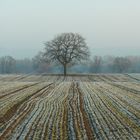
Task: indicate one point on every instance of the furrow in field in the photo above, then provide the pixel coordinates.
(126, 88)
(88, 133)
(11, 110)
(75, 115)
(17, 90)
(95, 117)
(130, 101)
(47, 128)
(14, 100)
(103, 111)
(120, 110)
(128, 96)
(45, 107)
(21, 112)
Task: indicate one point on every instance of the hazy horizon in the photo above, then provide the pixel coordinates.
(110, 27)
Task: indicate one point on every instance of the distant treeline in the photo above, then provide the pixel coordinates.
(97, 64)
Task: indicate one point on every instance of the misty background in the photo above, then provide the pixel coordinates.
(111, 29)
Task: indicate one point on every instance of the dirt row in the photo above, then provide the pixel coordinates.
(75, 109)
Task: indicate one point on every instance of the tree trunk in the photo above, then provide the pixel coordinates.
(65, 70)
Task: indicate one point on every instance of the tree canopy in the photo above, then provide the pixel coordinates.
(66, 48)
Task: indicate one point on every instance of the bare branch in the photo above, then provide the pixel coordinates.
(66, 48)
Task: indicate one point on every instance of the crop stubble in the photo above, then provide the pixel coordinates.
(94, 107)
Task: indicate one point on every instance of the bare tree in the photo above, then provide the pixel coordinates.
(96, 64)
(24, 65)
(7, 64)
(66, 49)
(121, 64)
(39, 64)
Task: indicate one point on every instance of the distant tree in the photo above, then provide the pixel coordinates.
(66, 49)
(39, 64)
(121, 64)
(37, 60)
(7, 64)
(24, 65)
(96, 64)
(135, 64)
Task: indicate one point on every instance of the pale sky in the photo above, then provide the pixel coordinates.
(111, 27)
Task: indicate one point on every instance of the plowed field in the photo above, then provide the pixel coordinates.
(86, 107)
